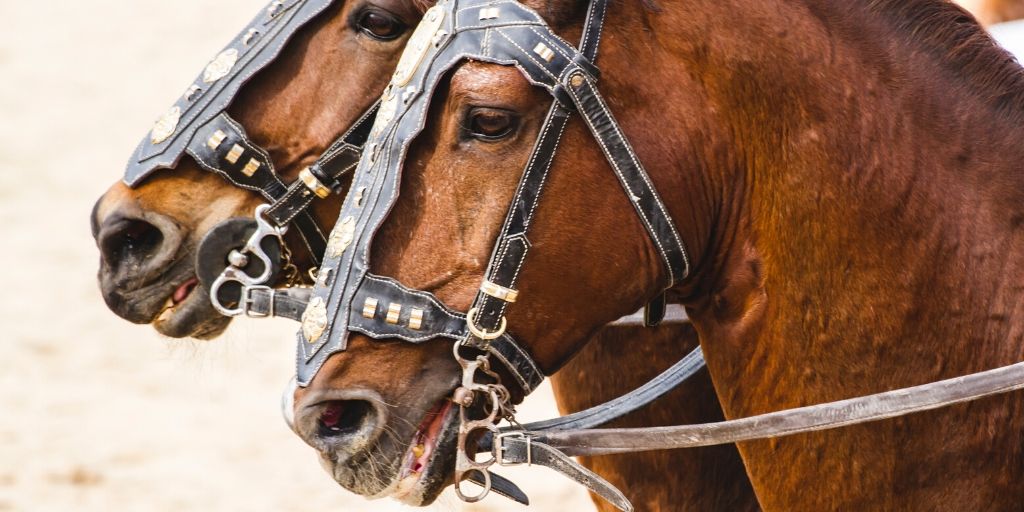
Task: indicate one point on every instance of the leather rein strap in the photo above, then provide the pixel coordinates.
(854, 411)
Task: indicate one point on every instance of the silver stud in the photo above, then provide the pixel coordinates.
(192, 92)
(249, 36)
(275, 8)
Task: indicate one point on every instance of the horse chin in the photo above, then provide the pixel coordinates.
(414, 480)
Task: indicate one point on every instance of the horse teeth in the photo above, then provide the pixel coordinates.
(164, 315)
(418, 450)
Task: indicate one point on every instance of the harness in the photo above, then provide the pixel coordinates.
(348, 298)
(240, 258)
(198, 125)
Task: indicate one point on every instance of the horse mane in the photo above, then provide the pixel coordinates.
(956, 41)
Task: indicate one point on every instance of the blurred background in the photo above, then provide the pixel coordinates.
(95, 413)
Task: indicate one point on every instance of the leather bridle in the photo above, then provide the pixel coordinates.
(198, 125)
(347, 298)
(250, 253)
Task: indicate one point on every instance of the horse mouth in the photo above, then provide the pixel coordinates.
(188, 312)
(181, 293)
(430, 458)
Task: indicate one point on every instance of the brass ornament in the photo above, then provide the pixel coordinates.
(166, 125)
(421, 41)
(314, 319)
(416, 319)
(370, 307)
(394, 311)
(220, 66)
(341, 237)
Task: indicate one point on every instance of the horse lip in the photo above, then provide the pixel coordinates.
(429, 484)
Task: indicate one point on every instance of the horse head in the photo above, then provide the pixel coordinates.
(465, 129)
(326, 76)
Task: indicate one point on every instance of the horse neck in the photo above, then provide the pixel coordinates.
(866, 215)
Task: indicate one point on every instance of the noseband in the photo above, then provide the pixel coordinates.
(198, 125)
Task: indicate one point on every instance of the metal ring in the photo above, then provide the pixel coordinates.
(482, 333)
(461, 477)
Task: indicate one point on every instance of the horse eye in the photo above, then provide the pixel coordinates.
(490, 124)
(380, 26)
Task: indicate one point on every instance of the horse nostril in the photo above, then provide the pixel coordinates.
(340, 418)
(129, 238)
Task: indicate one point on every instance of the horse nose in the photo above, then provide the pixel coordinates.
(135, 245)
(346, 423)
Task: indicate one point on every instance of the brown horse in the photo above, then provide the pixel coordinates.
(326, 77)
(846, 178)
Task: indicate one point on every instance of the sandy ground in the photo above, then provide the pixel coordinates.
(95, 413)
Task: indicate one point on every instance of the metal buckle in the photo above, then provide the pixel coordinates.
(499, 447)
(248, 301)
(264, 229)
(483, 333)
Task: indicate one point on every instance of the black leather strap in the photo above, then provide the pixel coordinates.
(285, 303)
(631, 174)
(221, 146)
(210, 94)
(339, 159)
(518, 449)
(513, 245)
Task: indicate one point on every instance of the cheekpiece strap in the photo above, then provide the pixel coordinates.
(577, 82)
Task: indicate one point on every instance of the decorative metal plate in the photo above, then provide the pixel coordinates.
(388, 107)
(165, 126)
(418, 45)
(220, 66)
(341, 237)
(314, 319)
